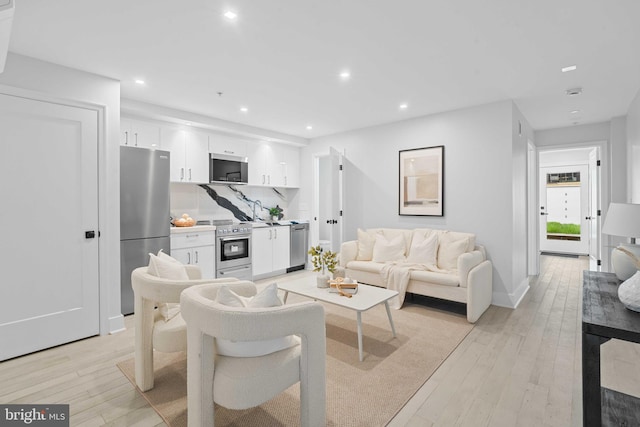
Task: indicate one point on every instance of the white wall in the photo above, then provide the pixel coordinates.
(573, 134)
(521, 133)
(478, 178)
(633, 153)
(63, 83)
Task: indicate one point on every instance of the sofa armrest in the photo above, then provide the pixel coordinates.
(466, 262)
(479, 290)
(348, 252)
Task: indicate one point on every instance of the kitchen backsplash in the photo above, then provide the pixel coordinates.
(226, 202)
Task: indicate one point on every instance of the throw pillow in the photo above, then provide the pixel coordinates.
(268, 297)
(423, 250)
(385, 250)
(449, 251)
(366, 241)
(163, 267)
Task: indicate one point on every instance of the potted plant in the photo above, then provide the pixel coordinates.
(323, 261)
(275, 213)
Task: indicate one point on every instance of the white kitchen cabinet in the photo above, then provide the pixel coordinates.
(225, 145)
(270, 250)
(137, 133)
(273, 165)
(189, 155)
(195, 248)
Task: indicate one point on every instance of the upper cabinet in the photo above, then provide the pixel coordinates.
(221, 144)
(273, 165)
(189, 155)
(138, 133)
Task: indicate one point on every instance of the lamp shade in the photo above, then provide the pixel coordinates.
(623, 219)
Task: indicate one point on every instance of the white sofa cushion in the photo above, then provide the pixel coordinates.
(268, 297)
(449, 249)
(366, 240)
(166, 267)
(370, 266)
(388, 250)
(435, 278)
(423, 250)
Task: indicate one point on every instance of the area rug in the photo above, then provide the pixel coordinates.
(367, 393)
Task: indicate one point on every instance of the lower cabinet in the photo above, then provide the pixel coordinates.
(196, 248)
(270, 248)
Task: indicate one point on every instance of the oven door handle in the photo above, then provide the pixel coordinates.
(225, 272)
(229, 239)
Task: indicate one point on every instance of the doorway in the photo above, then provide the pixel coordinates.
(51, 271)
(570, 195)
(328, 212)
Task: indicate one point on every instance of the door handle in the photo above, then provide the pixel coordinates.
(588, 217)
(91, 234)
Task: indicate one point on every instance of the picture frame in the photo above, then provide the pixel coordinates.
(421, 181)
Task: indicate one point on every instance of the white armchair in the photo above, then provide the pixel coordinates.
(245, 382)
(151, 329)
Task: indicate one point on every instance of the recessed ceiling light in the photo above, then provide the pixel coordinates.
(345, 75)
(230, 15)
(403, 106)
(569, 68)
(309, 127)
(244, 109)
(188, 123)
(575, 111)
(140, 82)
(574, 91)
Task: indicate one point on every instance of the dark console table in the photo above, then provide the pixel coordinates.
(604, 317)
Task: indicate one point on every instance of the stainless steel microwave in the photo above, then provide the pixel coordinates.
(228, 169)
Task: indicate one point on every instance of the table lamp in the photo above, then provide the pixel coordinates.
(623, 219)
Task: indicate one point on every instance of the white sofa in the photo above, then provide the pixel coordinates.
(461, 272)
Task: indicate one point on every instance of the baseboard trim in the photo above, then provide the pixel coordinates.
(512, 300)
(116, 324)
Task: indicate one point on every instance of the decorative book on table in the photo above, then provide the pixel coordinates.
(346, 287)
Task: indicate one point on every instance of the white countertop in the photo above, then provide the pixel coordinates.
(176, 230)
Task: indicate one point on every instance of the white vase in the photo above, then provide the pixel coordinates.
(322, 281)
(624, 265)
(629, 292)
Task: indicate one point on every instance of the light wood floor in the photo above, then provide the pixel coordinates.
(516, 367)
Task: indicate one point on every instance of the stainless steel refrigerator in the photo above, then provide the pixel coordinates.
(144, 212)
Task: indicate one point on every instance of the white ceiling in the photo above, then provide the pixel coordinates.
(281, 58)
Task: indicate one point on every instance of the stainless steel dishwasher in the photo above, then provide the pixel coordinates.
(299, 246)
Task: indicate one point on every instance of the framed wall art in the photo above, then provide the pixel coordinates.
(422, 181)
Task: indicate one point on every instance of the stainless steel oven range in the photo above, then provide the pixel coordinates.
(233, 251)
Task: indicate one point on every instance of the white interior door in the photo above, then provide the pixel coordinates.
(49, 292)
(593, 219)
(337, 191)
(564, 208)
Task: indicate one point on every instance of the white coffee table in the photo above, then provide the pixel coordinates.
(366, 298)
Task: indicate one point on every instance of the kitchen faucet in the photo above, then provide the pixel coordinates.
(256, 202)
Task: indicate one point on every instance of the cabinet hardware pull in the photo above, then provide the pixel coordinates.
(269, 179)
(181, 174)
(190, 174)
(188, 236)
(188, 257)
(126, 138)
(196, 257)
(269, 234)
(136, 134)
(263, 179)
(275, 233)
(229, 151)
